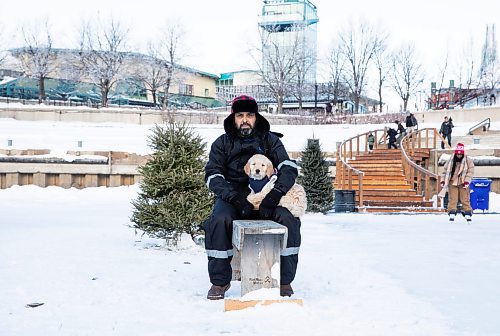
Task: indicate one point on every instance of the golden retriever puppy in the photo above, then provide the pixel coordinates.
(260, 170)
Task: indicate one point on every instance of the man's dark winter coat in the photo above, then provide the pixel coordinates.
(230, 153)
(446, 127)
(411, 120)
(391, 134)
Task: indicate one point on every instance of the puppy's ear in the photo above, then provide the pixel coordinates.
(247, 168)
(270, 169)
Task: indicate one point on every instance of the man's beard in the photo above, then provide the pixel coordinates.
(247, 131)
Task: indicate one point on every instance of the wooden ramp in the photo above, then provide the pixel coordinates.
(234, 304)
(385, 188)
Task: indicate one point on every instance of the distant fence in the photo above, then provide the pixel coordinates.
(73, 112)
(48, 102)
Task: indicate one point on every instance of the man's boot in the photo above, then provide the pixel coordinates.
(452, 215)
(217, 292)
(468, 215)
(286, 290)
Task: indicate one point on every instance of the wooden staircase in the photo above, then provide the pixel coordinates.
(385, 188)
(389, 180)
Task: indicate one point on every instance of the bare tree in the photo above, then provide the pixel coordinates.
(381, 63)
(467, 74)
(37, 56)
(358, 43)
(152, 74)
(278, 67)
(102, 52)
(302, 82)
(170, 52)
(407, 75)
(490, 80)
(336, 64)
(443, 68)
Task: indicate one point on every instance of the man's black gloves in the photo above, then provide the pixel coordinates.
(242, 205)
(269, 203)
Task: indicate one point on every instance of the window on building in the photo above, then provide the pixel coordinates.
(186, 89)
(206, 92)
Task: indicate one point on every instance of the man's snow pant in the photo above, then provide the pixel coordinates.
(218, 242)
(458, 193)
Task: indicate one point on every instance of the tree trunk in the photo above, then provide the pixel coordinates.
(300, 101)
(165, 96)
(380, 100)
(153, 92)
(279, 109)
(380, 96)
(405, 102)
(356, 104)
(104, 96)
(41, 89)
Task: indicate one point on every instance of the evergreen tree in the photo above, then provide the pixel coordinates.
(315, 178)
(173, 197)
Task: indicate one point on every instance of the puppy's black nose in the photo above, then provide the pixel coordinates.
(257, 171)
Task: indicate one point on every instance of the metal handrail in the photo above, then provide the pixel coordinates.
(486, 121)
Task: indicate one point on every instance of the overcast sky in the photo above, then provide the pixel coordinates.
(219, 33)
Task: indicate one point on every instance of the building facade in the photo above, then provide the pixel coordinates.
(291, 24)
(189, 87)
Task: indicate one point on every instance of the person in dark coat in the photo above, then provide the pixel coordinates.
(328, 108)
(411, 122)
(445, 130)
(246, 133)
(400, 131)
(391, 134)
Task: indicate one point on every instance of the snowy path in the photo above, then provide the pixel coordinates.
(358, 274)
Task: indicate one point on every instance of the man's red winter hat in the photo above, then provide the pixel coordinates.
(244, 103)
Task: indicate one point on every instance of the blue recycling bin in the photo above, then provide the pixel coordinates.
(480, 193)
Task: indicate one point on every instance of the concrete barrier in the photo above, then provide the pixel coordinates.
(130, 115)
(474, 115)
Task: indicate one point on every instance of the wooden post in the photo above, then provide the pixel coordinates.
(259, 243)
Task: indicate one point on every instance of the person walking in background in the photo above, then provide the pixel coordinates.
(445, 131)
(371, 141)
(411, 122)
(391, 134)
(400, 131)
(328, 108)
(457, 175)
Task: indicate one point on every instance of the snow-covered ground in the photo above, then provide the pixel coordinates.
(359, 274)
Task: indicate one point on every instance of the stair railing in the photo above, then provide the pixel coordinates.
(345, 172)
(426, 138)
(485, 124)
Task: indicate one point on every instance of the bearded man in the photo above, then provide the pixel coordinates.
(247, 133)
